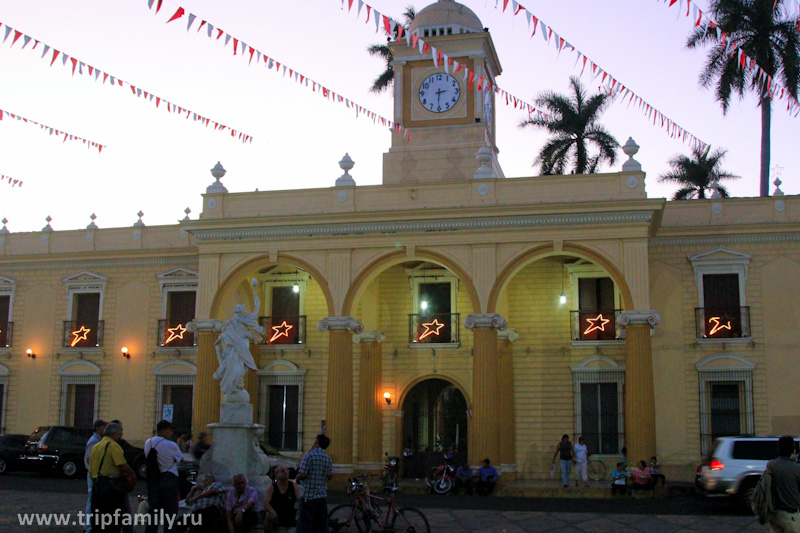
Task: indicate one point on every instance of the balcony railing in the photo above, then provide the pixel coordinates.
(722, 322)
(6, 332)
(433, 328)
(283, 329)
(86, 334)
(594, 324)
(174, 334)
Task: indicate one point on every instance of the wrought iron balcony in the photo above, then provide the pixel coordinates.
(283, 329)
(6, 332)
(594, 325)
(433, 328)
(722, 322)
(86, 334)
(174, 334)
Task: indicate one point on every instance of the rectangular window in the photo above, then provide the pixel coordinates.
(5, 310)
(283, 412)
(435, 312)
(85, 328)
(596, 314)
(726, 412)
(80, 405)
(722, 306)
(180, 397)
(600, 417)
(284, 325)
(180, 311)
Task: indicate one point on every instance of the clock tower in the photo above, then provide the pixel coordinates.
(448, 120)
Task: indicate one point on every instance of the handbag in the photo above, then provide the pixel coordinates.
(106, 485)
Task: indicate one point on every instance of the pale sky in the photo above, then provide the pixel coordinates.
(159, 162)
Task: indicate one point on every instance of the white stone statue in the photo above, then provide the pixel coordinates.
(233, 350)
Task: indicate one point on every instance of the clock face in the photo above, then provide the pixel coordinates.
(439, 92)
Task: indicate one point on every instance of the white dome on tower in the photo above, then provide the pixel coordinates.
(445, 17)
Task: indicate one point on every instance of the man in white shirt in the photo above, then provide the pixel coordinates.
(163, 494)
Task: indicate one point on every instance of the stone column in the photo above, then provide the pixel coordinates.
(206, 401)
(640, 412)
(505, 375)
(370, 401)
(339, 397)
(484, 429)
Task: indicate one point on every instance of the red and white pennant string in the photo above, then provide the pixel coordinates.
(699, 18)
(246, 51)
(53, 131)
(11, 181)
(83, 68)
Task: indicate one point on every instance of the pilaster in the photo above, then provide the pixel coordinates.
(505, 383)
(370, 400)
(206, 391)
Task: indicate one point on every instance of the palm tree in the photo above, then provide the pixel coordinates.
(759, 28)
(383, 81)
(573, 122)
(696, 174)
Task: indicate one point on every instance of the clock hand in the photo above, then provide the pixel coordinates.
(439, 94)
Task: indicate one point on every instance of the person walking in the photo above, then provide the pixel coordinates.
(97, 436)
(581, 453)
(279, 503)
(564, 452)
(162, 490)
(106, 463)
(785, 488)
(316, 469)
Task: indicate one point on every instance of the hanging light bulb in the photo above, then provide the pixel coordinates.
(296, 287)
(423, 305)
(563, 298)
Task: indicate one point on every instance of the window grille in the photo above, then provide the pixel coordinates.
(599, 409)
(726, 405)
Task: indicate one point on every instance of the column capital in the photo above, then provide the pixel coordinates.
(205, 324)
(631, 318)
(492, 320)
(340, 322)
(369, 336)
(508, 334)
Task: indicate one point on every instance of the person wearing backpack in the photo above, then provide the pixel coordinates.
(785, 488)
(162, 456)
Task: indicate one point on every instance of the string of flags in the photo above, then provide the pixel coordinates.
(53, 131)
(246, 51)
(11, 181)
(83, 68)
(772, 86)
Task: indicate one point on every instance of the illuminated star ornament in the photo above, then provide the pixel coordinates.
(80, 335)
(431, 328)
(717, 326)
(597, 324)
(175, 333)
(281, 331)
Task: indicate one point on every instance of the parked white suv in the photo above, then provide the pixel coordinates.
(736, 465)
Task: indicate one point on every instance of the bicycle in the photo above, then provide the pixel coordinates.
(596, 469)
(373, 514)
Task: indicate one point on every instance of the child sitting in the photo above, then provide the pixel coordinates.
(619, 480)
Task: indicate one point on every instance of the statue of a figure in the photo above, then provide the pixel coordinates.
(233, 350)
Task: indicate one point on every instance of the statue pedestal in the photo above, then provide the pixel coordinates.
(235, 449)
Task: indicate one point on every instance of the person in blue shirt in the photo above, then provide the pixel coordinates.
(464, 479)
(487, 479)
(619, 480)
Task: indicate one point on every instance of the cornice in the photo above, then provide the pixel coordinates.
(100, 263)
(400, 226)
(724, 239)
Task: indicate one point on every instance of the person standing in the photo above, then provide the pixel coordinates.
(487, 479)
(107, 460)
(162, 490)
(581, 453)
(316, 469)
(564, 452)
(279, 503)
(785, 488)
(97, 436)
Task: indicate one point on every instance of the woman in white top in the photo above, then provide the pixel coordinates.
(581, 460)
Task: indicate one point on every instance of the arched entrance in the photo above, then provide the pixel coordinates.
(435, 418)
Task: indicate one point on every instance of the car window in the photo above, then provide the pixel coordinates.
(760, 450)
(58, 436)
(39, 433)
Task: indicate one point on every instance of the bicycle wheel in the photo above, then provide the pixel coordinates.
(596, 470)
(410, 520)
(341, 519)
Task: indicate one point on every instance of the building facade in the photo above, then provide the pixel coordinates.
(449, 306)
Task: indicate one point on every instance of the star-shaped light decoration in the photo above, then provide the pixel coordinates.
(431, 328)
(281, 331)
(717, 325)
(597, 324)
(175, 333)
(80, 335)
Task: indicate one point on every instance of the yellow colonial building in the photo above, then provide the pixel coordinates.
(449, 306)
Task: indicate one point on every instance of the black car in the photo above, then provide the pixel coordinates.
(57, 449)
(11, 449)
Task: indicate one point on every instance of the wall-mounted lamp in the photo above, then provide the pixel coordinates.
(388, 398)
(125, 353)
(30, 353)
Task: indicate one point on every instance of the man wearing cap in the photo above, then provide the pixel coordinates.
(164, 494)
(97, 436)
